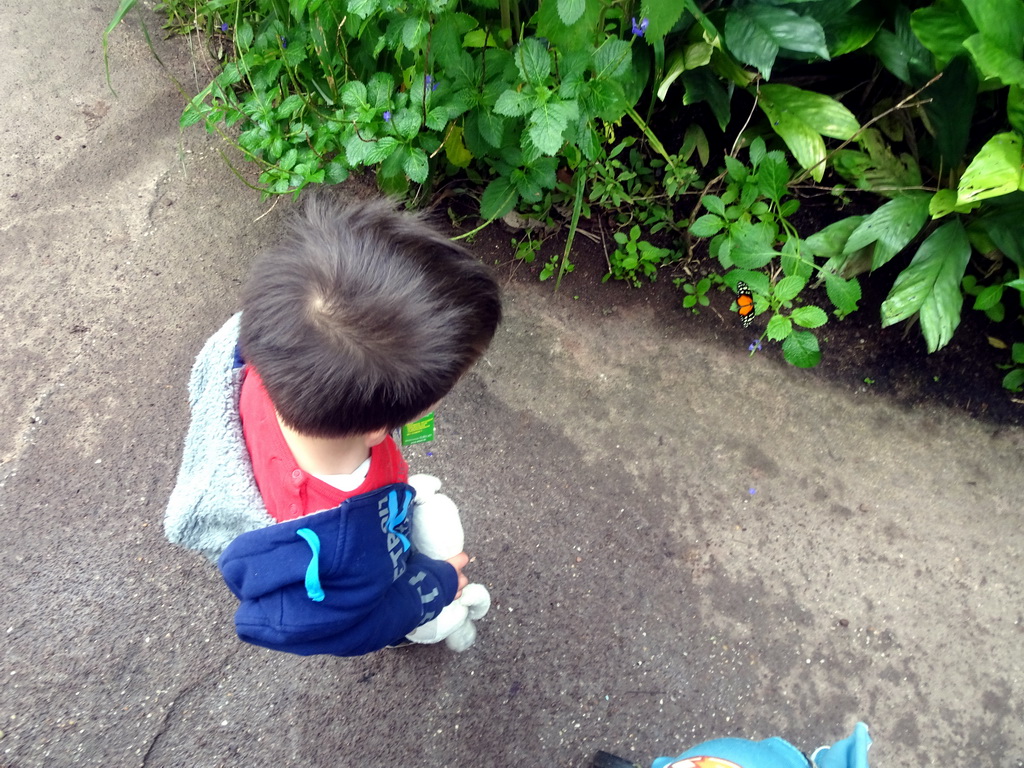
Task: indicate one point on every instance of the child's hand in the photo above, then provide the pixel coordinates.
(459, 562)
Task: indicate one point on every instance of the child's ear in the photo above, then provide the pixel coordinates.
(376, 437)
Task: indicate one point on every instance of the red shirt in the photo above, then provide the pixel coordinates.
(289, 491)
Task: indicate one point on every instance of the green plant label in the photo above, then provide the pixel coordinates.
(419, 431)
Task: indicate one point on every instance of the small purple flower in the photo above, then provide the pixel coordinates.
(753, 491)
(284, 41)
(431, 83)
(387, 115)
(755, 346)
(224, 27)
(641, 28)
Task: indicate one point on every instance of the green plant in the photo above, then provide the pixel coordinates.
(634, 257)
(1014, 380)
(750, 229)
(696, 294)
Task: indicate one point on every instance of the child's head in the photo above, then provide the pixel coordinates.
(364, 317)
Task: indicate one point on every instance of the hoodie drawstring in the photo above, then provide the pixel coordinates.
(313, 588)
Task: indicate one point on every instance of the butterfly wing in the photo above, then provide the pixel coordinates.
(744, 303)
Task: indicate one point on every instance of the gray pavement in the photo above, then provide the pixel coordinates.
(683, 542)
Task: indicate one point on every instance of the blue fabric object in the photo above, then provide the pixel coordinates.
(851, 752)
(375, 589)
(314, 590)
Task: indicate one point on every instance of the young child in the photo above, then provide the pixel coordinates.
(358, 323)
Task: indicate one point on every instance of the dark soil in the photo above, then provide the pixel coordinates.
(857, 353)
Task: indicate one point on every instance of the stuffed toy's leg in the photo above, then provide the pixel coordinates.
(437, 533)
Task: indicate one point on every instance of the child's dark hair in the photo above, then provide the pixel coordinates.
(364, 317)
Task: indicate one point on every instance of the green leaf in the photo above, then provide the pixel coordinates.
(661, 16)
(801, 349)
(995, 171)
(379, 90)
(533, 61)
(492, 128)
(844, 294)
(417, 166)
(380, 150)
(513, 103)
(414, 31)
(809, 317)
(831, 241)
(498, 198)
(571, 10)
(407, 122)
(755, 33)
(801, 118)
(548, 123)
(707, 225)
(752, 245)
(353, 94)
(702, 85)
(612, 59)
(1014, 380)
(455, 149)
(779, 328)
(1015, 108)
(363, 8)
(788, 288)
(942, 29)
(572, 37)
(891, 227)
(930, 285)
(714, 204)
(772, 178)
(995, 62)
(989, 297)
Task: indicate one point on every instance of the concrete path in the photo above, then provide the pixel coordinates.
(684, 542)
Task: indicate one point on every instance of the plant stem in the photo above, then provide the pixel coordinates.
(655, 144)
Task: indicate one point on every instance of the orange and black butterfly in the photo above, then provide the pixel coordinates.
(744, 303)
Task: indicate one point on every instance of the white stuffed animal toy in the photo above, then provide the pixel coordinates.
(437, 533)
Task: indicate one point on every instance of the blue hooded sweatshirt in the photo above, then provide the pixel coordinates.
(342, 581)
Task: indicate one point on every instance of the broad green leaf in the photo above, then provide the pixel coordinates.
(570, 11)
(533, 60)
(942, 28)
(353, 94)
(755, 33)
(844, 294)
(548, 123)
(1014, 380)
(994, 61)
(1015, 108)
(788, 288)
(989, 297)
(1002, 21)
(498, 199)
(707, 225)
(661, 16)
(572, 37)
(702, 85)
(605, 99)
(380, 149)
(995, 171)
(779, 328)
(407, 122)
(930, 286)
(417, 166)
(612, 59)
(492, 128)
(801, 118)
(513, 103)
(794, 262)
(1002, 220)
(949, 105)
(831, 241)
(891, 227)
(772, 178)
(809, 317)
(801, 349)
(714, 204)
(943, 203)
(752, 245)
(363, 8)
(379, 90)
